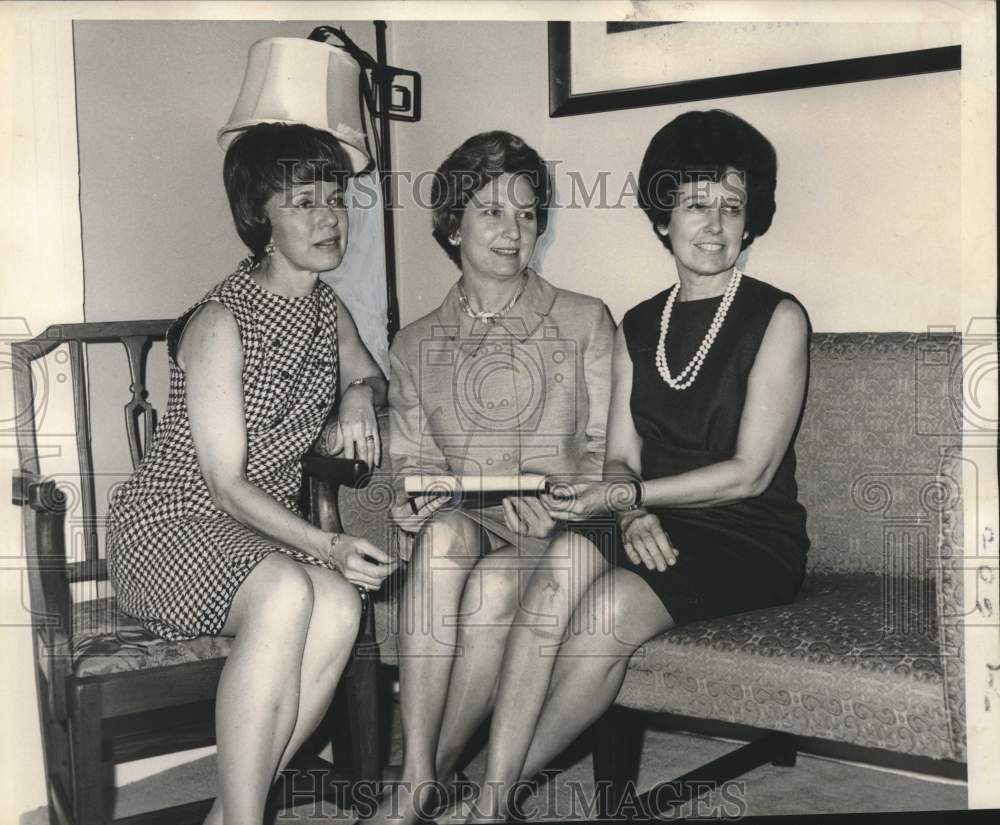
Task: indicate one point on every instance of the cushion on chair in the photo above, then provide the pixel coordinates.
(105, 641)
(822, 667)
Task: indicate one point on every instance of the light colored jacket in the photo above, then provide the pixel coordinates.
(526, 394)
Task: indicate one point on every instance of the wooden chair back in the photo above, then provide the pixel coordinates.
(51, 572)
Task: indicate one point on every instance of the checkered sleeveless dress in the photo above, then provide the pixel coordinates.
(175, 559)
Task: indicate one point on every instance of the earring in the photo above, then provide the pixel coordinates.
(454, 240)
(270, 248)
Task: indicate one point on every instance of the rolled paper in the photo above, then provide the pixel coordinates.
(523, 484)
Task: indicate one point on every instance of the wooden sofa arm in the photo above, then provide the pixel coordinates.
(949, 580)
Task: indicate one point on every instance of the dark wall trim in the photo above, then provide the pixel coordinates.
(562, 103)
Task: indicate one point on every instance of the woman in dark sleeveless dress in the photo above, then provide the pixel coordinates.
(205, 538)
(697, 516)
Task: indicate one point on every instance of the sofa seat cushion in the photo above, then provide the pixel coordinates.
(820, 667)
(106, 641)
(835, 664)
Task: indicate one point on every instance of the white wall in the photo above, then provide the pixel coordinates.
(867, 232)
(41, 283)
(151, 96)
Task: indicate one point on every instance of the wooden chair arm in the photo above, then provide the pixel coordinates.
(336, 471)
(48, 577)
(27, 490)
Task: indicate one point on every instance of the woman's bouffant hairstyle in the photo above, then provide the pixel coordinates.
(700, 146)
(481, 159)
(269, 158)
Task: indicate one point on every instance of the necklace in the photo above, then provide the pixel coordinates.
(686, 377)
(489, 317)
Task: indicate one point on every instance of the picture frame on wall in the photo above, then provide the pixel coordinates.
(603, 67)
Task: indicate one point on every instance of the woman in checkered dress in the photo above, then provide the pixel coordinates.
(205, 538)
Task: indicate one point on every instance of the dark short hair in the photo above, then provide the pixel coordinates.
(481, 159)
(268, 158)
(700, 146)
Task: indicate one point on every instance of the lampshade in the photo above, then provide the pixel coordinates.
(294, 80)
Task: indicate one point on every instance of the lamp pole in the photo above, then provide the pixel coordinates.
(385, 179)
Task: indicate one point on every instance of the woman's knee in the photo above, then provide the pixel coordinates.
(451, 535)
(555, 571)
(492, 592)
(277, 592)
(624, 607)
(337, 603)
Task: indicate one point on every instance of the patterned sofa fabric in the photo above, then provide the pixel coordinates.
(832, 665)
(879, 414)
(863, 655)
(826, 666)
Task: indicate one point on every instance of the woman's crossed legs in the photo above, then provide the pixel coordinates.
(578, 623)
(294, 626)
(453, 626)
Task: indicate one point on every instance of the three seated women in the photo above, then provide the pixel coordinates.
(667, 447)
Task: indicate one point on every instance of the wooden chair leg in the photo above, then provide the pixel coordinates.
(617, 751)
(90, 796)
(362, 699)
(55, 752)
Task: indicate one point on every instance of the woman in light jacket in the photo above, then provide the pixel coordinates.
(510, 375)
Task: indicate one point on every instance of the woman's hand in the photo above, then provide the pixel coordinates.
(356, 431)
(574, 502)
(359, 561)
(410, 518)
(646, 542)
(527, 516)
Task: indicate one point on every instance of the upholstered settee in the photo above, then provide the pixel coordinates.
(870, 653)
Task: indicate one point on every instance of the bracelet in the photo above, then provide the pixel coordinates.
(636, 486)
(334, 539)
(357, 382)
(638, 494)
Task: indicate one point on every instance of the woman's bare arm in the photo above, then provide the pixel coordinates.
(356, 420)
(775, 392)
(211, 355)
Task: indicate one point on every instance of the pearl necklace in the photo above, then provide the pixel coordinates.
(489, 317)
(686, 377)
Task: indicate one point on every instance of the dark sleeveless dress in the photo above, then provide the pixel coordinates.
(742, 556)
